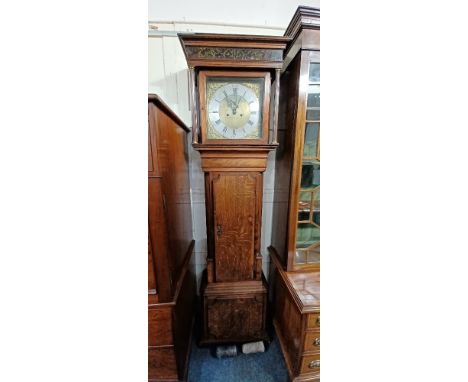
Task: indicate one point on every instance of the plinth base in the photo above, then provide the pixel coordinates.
(234, 311)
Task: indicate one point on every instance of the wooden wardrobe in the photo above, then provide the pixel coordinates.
(171, 277)
(295, 247)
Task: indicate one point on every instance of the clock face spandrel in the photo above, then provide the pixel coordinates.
(234, 107)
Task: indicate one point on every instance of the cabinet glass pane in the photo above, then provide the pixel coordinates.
(316, 206)
(307, 243)
(310, 175)
(313, 98)
(305, 202)
(311, 140)
(314, 72)
(308, 217)
(307, 234)
(309, 207)
(313, 115)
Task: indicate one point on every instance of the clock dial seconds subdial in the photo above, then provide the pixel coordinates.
(233, 112)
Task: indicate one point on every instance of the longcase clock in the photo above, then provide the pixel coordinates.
(234, 86)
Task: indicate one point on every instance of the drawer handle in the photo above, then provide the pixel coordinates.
(317, 341)
(314, 364)
(317, 322)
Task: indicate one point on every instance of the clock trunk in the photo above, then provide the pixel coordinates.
(235, 202)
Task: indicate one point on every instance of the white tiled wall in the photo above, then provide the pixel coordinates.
(168, 77)
(259, 12)
(197, 185)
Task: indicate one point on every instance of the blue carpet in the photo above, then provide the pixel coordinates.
(259, 367)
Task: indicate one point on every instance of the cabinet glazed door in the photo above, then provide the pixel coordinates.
(234, 199)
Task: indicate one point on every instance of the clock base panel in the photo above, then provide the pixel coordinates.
(234, 312)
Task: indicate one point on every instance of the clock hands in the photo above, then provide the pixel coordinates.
(233, 100)
(229, 102)
(235, 103)
(236, 99)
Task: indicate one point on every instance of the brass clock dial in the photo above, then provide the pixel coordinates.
(234, 108)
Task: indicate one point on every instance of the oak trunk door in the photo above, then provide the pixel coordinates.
(234, 198)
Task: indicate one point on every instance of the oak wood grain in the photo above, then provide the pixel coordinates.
(312, 340)
(234, 197)
(234, 311)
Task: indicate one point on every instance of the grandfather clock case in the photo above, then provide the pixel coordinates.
(234, 92)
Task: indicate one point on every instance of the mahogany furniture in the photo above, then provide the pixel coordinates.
(295, 247)
(171, 277)
(297, 319)
(234, 84)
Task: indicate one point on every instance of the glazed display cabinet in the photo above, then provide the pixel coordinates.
(295, 249)
(307, 199)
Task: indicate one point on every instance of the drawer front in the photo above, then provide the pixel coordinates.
(312, 340)
(310, 363)
(313, 320)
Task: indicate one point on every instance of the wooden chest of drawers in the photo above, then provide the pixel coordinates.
(296, 317)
